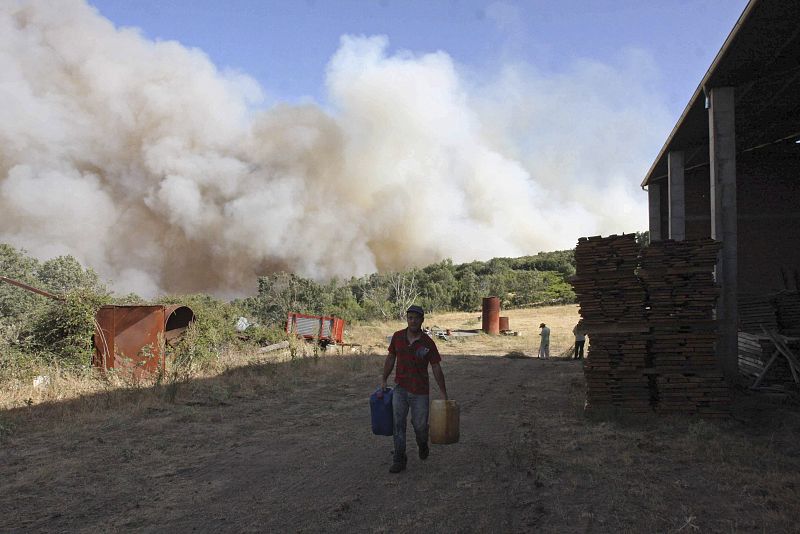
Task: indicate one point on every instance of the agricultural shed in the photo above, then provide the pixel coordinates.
(730, 168)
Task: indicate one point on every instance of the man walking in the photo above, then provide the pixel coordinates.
(413, 350)
(544, 345)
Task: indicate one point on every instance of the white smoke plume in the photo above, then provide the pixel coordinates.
(145, 161)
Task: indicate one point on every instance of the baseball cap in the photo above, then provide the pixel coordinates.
(541, 325)
(416, 309)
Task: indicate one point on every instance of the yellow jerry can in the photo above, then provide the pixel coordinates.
(444, 422)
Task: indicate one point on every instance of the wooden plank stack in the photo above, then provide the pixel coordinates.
(612, 304)
(689, 393)
(755, 311)
(681, 295)
(775, 312)
(751, 357)
(615, 372)
(610, 295)
(787, 307)
(650, 324)
(754, 353)
(679, 281)
(779, 372)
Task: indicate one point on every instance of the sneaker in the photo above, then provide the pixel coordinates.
(424, 451)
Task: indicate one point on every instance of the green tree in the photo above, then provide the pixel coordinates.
(214, 326)
(438, 286)
(281, 293)
(62, 330)
(64, 273)
(643, 238)
(374, 293)
(467, 296)
(17, 303)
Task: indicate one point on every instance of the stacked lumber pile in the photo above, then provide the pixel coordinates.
(678, 278)
(615, 371)
(787, 308)
(612, 304)
(650, 322)
(610, 294)
(755, 311)
(754, 353)
(775, 312)
(751, 354)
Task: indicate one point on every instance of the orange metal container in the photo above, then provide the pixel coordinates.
(504, 324)
(491, 315)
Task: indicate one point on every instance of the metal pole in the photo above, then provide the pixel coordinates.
(29, 288)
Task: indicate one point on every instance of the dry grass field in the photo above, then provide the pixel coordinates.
(370, 338)
(267, 443)
(560, 319)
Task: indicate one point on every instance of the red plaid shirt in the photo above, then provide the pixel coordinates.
(411, 371)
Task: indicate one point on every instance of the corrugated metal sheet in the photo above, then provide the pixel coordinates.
(326, 329)
(307, 326)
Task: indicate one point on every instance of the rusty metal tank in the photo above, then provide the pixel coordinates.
(491, 315)
(504, 324)
(133, 337)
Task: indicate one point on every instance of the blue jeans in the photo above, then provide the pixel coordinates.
(401, 402)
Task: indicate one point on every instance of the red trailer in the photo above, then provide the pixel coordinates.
(325, 329)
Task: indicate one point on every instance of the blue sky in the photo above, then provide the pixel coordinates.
(286, 45)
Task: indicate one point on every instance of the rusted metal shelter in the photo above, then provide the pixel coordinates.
(133, 337)
(730, 168)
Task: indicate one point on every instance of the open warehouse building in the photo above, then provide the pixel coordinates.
(730, 168)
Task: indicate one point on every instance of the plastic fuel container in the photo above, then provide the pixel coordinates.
(443, 422)
(380, 404)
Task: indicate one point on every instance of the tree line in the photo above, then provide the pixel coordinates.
(35, 328)
(443, 286)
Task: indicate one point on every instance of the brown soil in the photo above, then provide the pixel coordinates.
(285, 447)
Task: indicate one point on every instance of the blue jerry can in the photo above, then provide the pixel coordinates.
(380, 404)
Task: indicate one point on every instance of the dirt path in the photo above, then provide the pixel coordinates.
(293, 451)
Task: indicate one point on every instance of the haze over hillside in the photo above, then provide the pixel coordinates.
(164, 173)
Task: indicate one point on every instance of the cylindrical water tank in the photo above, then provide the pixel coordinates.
(491, 315)
(504, 324)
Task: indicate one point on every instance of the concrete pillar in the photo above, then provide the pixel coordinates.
(677, 203)
(654, 203)
(722, 153)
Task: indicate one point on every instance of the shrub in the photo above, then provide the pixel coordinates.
(63, 330)
(213, 329)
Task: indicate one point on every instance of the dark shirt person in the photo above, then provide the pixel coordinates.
(413, 350)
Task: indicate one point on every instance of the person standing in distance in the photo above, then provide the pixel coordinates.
(580, 340)
(544, 345)
(413, 350)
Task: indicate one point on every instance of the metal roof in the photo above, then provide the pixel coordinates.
(761, 59)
